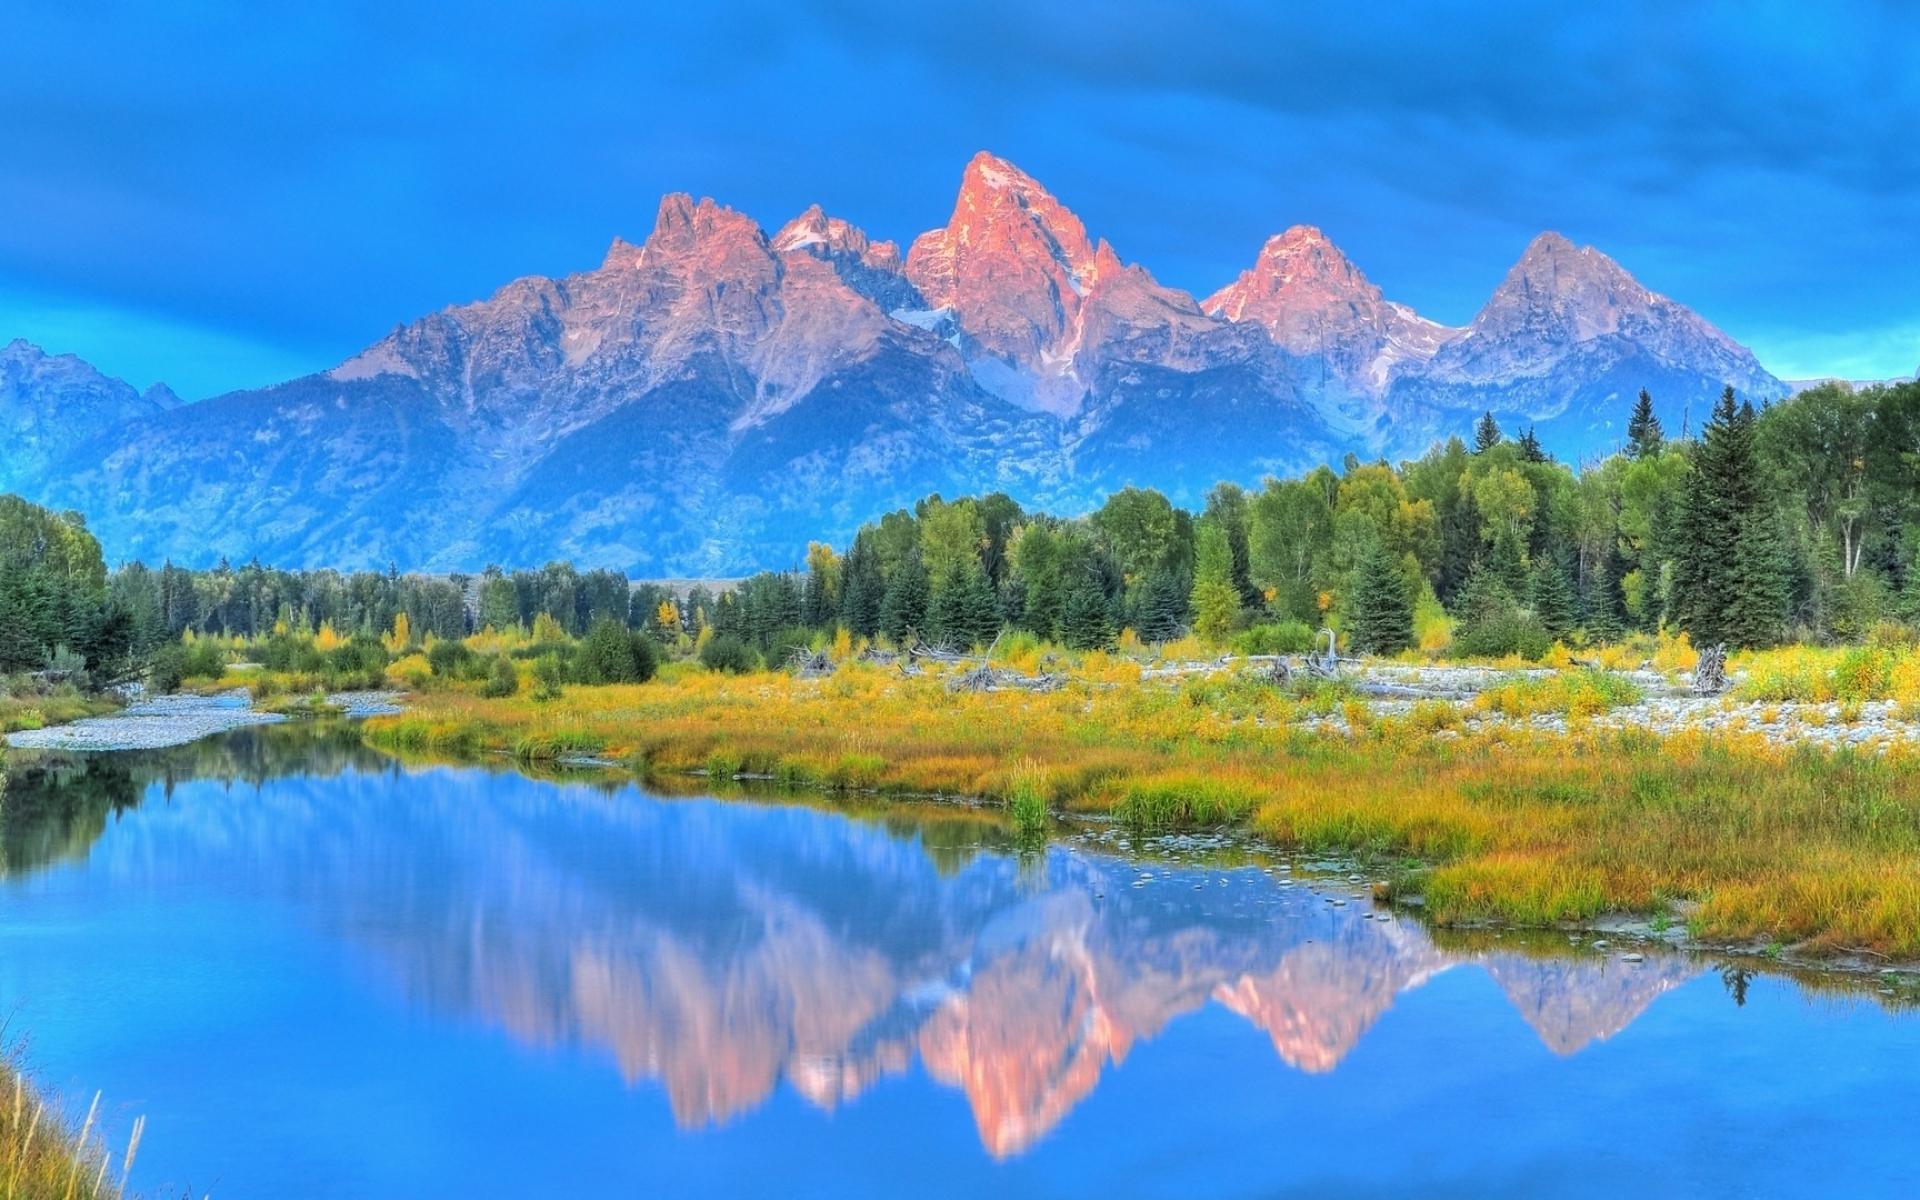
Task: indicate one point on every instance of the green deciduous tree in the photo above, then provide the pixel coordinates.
(1216, 601)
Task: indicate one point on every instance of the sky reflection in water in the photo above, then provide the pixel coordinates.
(364, 982)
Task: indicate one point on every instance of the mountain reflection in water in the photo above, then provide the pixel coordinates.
(723, 948)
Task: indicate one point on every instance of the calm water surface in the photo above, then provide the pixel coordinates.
(321, 975)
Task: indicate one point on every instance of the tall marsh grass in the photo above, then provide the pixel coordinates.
(44, 1157)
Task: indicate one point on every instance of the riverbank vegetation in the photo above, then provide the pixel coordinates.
(1746, 839)
(45, 1156)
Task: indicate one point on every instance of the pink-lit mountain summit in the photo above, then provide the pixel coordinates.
(710, 399)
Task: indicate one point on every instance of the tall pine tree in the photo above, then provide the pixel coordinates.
(1552, 598)
(1530, 448)
(1644, 435)
(903, 611)
(1087, 623)
(1486, 433)
(861, 589)
(1380, 618)
(1216, 601)
(1730, 578)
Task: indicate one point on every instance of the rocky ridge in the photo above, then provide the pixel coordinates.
(708, 400)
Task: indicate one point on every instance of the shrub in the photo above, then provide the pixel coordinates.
(1576, 693)
(1863, 673)
(168, 668)
(611, 654)
(451, 660)
(205, 660)
(1499, 634)
(783, 645)
(1286, 637)
(728, 653)
(549, 673)
(502, 679)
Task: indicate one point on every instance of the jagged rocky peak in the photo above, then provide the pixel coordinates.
(873, 269)
(1577, 290)
(1000, 208)
(1313, 301)
(51, 403)
(817, 233)
(1012, 261)
(1037, 303)
(1297, 271)
(29, 373)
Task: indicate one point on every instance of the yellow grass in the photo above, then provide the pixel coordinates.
(49, 1154)
(1773, 844)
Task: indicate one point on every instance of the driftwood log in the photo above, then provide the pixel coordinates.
(1324, 661)
(812, 664)
(1710, 676)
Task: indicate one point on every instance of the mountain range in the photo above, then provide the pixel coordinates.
(707, 401)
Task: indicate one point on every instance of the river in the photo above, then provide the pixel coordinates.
(320, 973)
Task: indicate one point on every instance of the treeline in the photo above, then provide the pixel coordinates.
(55, 611)
(251, 601)
(1799, 521)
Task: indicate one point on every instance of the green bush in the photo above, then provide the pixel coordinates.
(205, 660)
(784, 644)
(549, 674)
(728, 653)
(1285, 637)
(453, 660)
(168, 668)
(611, 654)
(1498, 634)
(502, 679)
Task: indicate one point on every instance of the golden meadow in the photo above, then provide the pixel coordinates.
(1743, 839)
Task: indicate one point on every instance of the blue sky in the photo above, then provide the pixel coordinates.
(226, 194)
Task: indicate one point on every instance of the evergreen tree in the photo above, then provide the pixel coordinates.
(1486, 433)
(1380, 614)
(1161, 607)
(964, 612)
(1551, 597)
(1757, 611)
(861, 588)
(1730, 573)
(1087, 624)
(1530, 448)
(1507, 563)
(903, 611)
(1603, 610)
(1644, 435)
(977, 609)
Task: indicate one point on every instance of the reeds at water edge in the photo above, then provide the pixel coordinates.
(43, 1158)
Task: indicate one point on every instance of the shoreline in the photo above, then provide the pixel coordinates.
(158, 722)
(1541, 818)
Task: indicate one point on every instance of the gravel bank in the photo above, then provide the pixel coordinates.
(156, 721)
(1669, 707)
(149, 724)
